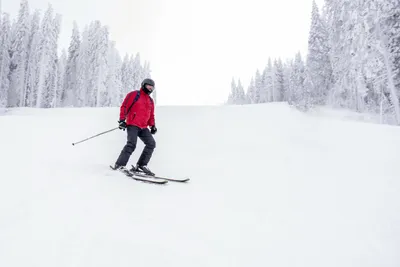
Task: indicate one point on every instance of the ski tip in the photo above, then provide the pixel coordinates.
(149, 180)
(180, 180)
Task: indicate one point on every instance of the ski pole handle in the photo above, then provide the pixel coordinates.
(95, 136)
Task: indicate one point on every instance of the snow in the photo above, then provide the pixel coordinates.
(269, 186)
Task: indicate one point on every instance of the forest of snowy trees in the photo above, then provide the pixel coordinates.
(91, 73)
(353, 61)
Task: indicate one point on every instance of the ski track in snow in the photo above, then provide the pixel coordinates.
(269, 187)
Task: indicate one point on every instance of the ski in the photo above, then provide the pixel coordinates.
(183, 180)
(142, 174)
(134, 176)
(148, 180)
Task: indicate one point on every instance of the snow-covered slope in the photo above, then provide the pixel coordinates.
(269, 187)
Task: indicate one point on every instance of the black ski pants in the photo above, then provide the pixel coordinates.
(133, 132)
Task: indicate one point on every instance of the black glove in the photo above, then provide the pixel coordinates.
(153, 129)
(122, 124)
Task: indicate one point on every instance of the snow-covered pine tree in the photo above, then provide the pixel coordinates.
(18, 53)
(393, 23)
(361, 55)
(138, 73)
(270, 81)
(1, 19)
(32, 66)
(146, 70)
(318, 64)
(32, 74)
(92, 63)
(118, 80)
(264, 92)
(61, 75)
(113, 81)
(135, 73)
(45, 64)
(124, 74)
(232, 98)
(335, 16)
(287, 69)
(389, 36)
(102, 66)
(297, 78)
(360, 52)
(349, 52)
(1, 33)
(258, 87)
(70, 96)
(240, 95)
(366, 63)
(47, 85)
(251, 95)
(278, 80)
(5, 45)
(147, 74)
(82, 70)
(53, 57)
(128, 74)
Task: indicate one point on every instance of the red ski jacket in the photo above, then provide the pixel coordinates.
(141, 114)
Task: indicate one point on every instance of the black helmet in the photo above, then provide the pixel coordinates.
(149, 82)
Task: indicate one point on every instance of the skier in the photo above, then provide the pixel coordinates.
(136, 115)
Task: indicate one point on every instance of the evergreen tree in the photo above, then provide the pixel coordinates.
(279, 81)
(71, 72)
(232, 99)
(353, 61)
(5, 45)
(32, 66)
(269, 81)
(33, 74)
(46, 51)
(318, 65)
(138, 73)
(251, 92)
(18, 54)
(113, 81)
(287, 69)
(258, 86)
(240, 95)
(61, 76)
(264, 92)
(390, 39)
(125, 75)
(297, 77)
(52, 89)
(82, 79)
(102, 66)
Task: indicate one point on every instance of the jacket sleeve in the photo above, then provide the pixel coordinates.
(151, 121)
(125, 105)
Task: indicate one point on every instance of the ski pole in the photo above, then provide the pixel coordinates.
(95, 136)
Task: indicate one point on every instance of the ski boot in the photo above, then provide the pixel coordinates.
(142, 169)
(121, 168)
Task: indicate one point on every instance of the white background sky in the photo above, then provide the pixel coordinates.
(194, 47)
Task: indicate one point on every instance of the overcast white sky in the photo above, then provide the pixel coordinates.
(194, 47)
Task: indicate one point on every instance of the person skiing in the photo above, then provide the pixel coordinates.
(136, 116)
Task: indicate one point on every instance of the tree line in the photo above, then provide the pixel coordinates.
(353, 62)
(90, 73)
